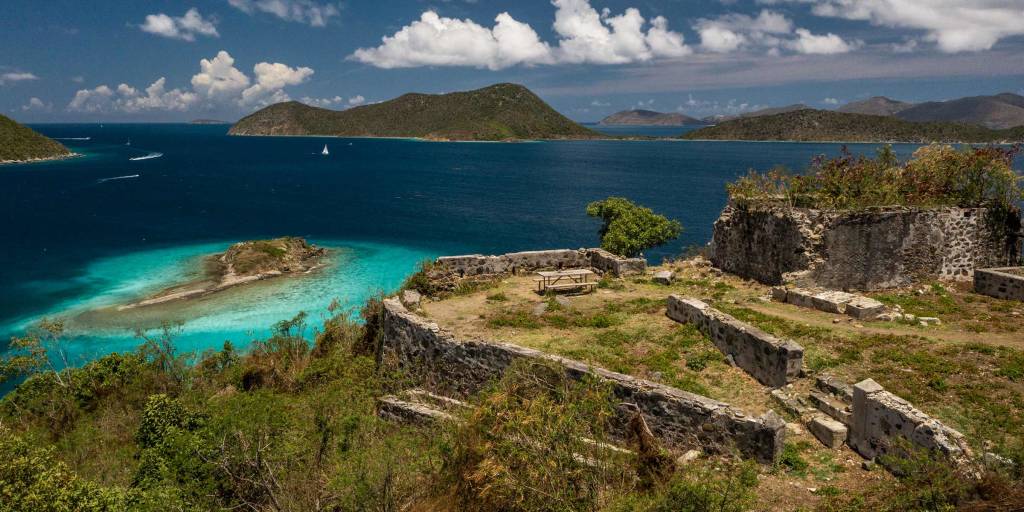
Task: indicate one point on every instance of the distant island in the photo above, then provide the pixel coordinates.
(720, 118)
(502, 112)
(208, 121)
(649, 118)
(997, 112)
(242, 263)
(811, 125)
(19, 143)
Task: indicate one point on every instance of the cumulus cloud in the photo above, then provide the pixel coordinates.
(185, 28)
(219, 78)
(356, 100)
(599, 103)
(336, 101)
(218, 84)
(271, 79)
(37, 104)
(16, 76)
(301, 11)
(809, 43)
(953, 25)
(436, 41)
(830, 101)
(585, 36)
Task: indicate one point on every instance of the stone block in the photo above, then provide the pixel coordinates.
(1001, 283)
(864, 308)
(779, 294)
(800, 297)
(830, 432)
(832, 301)
(834, 408)
(663, 277)
(411, 298)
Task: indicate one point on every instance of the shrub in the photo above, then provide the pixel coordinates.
(628, 229)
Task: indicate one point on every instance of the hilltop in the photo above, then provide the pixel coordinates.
(823, 125)
(498, 112)
(997, 112)
(21, 143)
(877, 106)
(649, 118)
(721, 118)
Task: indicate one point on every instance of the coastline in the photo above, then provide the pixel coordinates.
(41, 160)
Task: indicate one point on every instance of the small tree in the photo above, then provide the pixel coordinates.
(629, 229)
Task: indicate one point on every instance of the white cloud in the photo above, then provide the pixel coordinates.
(830, 101)
(599, 103)
(585, 36)
(907, 46)
(16, 76)
(729, 32)
(78, 79)
(953, 25)
(271, 79)
(218, 84)
(356, 100)
(219, 78)
(436, 41)
(334, 102)
(809, 43)
(302, 11)
(37, 104)
(185, 27)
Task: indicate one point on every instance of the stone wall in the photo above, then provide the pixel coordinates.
(882, 422)
(860, 250)
(437, 361)
(528, 261)
(1000, 283)
(773, 362)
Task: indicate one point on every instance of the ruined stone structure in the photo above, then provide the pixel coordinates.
(439, 362)
(831, 301)
(872, 249)
(881, 421)
(771, 361)
(528, 261)
(1001, 283)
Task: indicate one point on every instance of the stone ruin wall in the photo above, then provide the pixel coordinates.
(439, 362)
(528, 261)
(773, 362)
(856, 250)
(884, 424)
(1000, 283)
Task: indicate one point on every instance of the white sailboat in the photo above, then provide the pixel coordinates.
(129, 143)
(325, 152)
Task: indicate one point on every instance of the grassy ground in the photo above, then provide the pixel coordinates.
(968, 371)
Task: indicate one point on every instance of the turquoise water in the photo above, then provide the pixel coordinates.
(86, 234)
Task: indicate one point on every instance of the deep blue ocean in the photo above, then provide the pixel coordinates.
(98, 230)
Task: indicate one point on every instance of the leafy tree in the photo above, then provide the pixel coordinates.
(629, 229)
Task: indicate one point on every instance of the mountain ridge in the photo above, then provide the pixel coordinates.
(642, 117)
(495, 113)
(19, 143)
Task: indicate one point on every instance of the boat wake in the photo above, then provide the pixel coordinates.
(146, 157)
(128, 177)
(72, 138)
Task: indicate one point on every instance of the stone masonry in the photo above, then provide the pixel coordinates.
(771, 361)
(439, 362)
(882, 421)
(1000, 282)
(872, 249)
(528, 261)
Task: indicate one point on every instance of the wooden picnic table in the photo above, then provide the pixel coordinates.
(556, 280)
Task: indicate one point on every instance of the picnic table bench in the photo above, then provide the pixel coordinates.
(562, 280)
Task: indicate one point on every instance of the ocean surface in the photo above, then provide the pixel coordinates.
(123, 221)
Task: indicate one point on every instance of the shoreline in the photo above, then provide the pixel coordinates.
(41, 160)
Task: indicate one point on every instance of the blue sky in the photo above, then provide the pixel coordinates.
(68, 60)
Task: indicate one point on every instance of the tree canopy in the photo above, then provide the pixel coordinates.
(629, 229)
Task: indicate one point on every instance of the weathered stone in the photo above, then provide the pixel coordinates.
(864, 308)
(394, 409)
(663, 277)
(528, 261)
(834, 408)
(789, 403)
(411, 298)
(883, 421)
(800, 297)
(540, 308)
(832, 301)
(872, 249)
(1000, 282)
(833, 386)
(439, 362)
(771, 361)
(688, 457)
(830, 432)
(779, 294)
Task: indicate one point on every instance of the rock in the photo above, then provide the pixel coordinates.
(864, 308)
(779, 294)
(563, 301)
(688, 457)
(996, 461)
(836, 320)
(540, 309)
(867, 465)
(411, 298)
(830, 432)
(928, 320)
(663, 277)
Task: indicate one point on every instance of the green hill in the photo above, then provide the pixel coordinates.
(823, 125)
(498, 112)
(18, 142)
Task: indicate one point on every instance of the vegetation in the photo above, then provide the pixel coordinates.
(285, 254)
(824, 125)
(628, 229)
(649, 118)
(18, 142)
(937, 175)
(498, 112)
